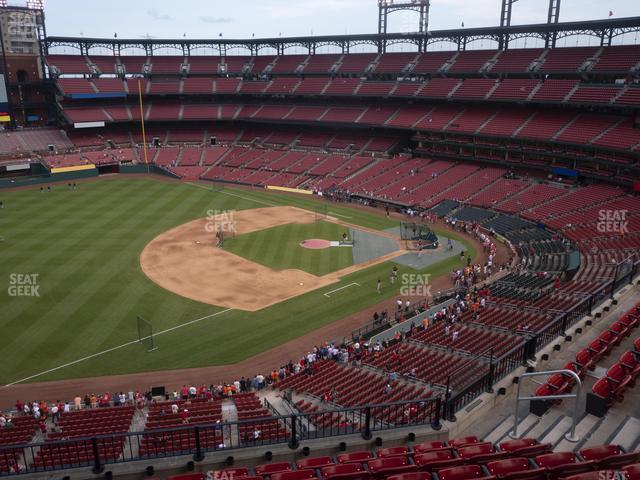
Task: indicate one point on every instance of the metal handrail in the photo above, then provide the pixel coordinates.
(569, 436)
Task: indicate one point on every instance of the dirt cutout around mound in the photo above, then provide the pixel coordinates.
(185, 260)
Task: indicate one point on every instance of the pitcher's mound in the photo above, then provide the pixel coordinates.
(315, 243)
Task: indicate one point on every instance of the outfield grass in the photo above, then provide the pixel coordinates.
(84, 245)
(279, 248)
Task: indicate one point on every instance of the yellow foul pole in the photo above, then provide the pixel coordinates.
(144, 137)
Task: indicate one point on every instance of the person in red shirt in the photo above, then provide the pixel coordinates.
(184, 416)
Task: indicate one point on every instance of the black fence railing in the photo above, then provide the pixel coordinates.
(197, 440)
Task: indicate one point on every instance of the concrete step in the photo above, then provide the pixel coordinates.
(501, 431)
(627, 437)
(583, 428)
(605, 430)
(547, 422)
(527, 424)
(556, 435)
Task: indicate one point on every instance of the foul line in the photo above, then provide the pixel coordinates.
(338, 215)
(235, 195)
(341, 288)
(115, 348)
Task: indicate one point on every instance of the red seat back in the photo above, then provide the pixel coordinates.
(463, 472)
(599, 452)
(362, 456)
(461, 441)
(267, 468)
(517, 444)
(426, 446)
(294, 475)
(392, 451)
(509, 465)
(314, 462)
(602, 388)
(555, 459)
(341, 468)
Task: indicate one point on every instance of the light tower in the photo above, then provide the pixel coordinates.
(385, 7)
(505, 21)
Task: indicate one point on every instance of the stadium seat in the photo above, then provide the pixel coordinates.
(609, 456)
(314, 462)
(187, 476)
(271, 468)
(410, 476)
(480, 453)
(463, 472)
(383, 467)
(563, 464)
(437, 459)
(345, 471)
(462, 441)
(525, 447)
(428, 446)
(595, 475)
(400, 451)
(294, 475)
(631, 363)
(632, 471)
(358, 457)
(517, 468)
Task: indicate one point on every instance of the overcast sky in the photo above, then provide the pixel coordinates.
(269, 18)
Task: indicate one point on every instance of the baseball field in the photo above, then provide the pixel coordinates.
(72, 283)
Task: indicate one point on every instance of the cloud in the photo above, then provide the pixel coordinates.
(156, 15)
(210, 19)
(311, 8)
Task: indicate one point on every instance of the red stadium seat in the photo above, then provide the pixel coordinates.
(620, 377)
(314, 462)
(382, 467)
(632, 471)
(516, 468)
(620, 329)
(563, 464)
(631, 321)
(411, 476)
(525, 447)
(631, 363)
(480, 453)
(609, 456)
(463, 472)
(428, 446)
(596, 475)
(269, 468)
(358, 457)
(341, 469)
(437, 459)
(610, 338)
(294, 475)
(400, 451)
(462, 441)
(585, 359)
(187, 476)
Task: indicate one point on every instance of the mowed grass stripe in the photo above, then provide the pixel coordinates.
(85, 297)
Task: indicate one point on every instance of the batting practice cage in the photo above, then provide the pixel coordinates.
(418, 236)
(145, 334)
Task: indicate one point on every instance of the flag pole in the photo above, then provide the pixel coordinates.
(144, 137)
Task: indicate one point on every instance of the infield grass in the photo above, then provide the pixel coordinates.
(84, 247)
(279, 247)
